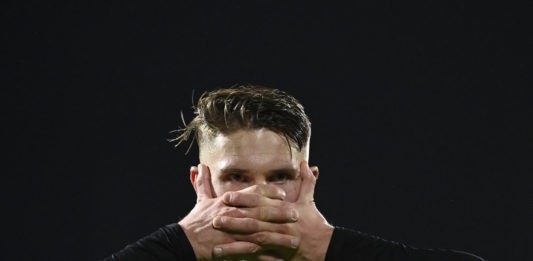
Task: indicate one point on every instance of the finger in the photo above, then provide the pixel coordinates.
(248, 225)
(269, 214)
(231, 250)
(269, 258)
(244, 250)
(250, 200)
(203, 182)
(267, 190)
(264, 257)
(269, 239)
(307, 188)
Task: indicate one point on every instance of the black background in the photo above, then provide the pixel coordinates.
(421, 116)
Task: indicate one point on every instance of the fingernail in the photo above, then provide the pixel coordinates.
(217, 222)
(293, 215)
(282, 194)
(228, 197)
(295, 242)
(217, 251)
(200, 170)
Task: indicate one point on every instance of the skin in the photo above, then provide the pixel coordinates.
(255, 201)
(251, 157)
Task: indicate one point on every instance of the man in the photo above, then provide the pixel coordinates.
(255, 191)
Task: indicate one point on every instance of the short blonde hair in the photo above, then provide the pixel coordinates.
(248, 107)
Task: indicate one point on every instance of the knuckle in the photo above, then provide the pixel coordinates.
(291, 213)
(240, 212)
(251, 224)
(226, 210)
(263, 214)
(253, 248)
(260, 238)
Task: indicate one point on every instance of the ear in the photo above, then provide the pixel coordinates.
(193, 175)
(314, 169)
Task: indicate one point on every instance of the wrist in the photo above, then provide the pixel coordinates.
(317, 243)
(189, 230)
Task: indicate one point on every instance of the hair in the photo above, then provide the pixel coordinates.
(247, 107)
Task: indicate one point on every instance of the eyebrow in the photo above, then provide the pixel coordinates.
(284, 170)
(274, 171)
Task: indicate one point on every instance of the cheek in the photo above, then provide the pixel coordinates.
(293, 190)
(220, 187)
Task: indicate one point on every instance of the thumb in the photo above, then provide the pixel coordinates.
(203, 182)
(307, 188)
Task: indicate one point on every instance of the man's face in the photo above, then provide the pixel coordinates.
(250, 157)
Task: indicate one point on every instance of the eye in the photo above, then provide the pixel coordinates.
(280, 177)
(237, 177)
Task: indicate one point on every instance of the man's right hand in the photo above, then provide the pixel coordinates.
(312, 231)
(198, 224)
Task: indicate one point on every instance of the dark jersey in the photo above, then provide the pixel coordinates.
(170, 243)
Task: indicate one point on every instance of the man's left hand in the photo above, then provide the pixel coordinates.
(311, 229)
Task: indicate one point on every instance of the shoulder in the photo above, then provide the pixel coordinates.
(352, 244)
(167, 243)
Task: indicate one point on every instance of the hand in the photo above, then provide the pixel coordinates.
(198, 224)
(256, 213)
(311, 229)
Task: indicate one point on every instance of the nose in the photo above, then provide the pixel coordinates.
(260, 182)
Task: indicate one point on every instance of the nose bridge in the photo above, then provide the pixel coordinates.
(260, 180)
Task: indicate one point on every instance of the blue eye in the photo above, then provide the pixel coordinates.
(237, 177)
(280, 177)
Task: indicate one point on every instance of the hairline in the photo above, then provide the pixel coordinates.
(290, 144)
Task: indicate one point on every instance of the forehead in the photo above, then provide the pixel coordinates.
(250, 149)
